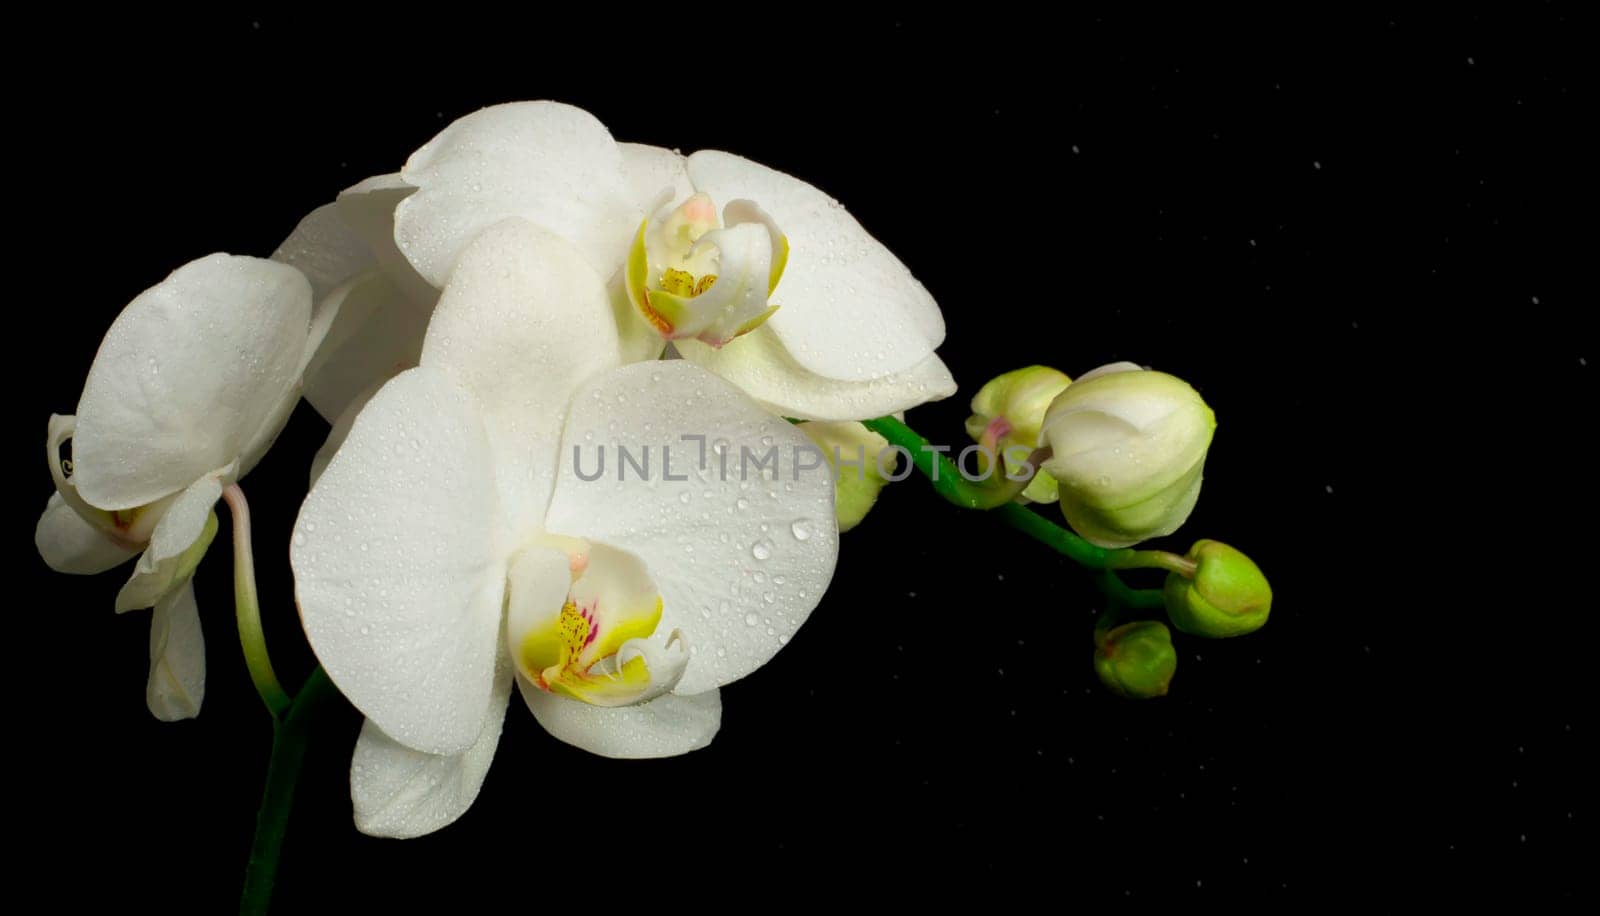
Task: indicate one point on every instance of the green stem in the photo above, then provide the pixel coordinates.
(1140, 598)
(1156, 559)
(1056, 537)
(942, 472)
(1109, 618)
(247, 608)
(289, 737)
(949, 483)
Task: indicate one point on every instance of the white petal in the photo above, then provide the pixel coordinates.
(69, 544)
(399, 564)
(179, 541)
(403, 793)
(740, 563)
(664, 727)
(654, 172)
(549, 163)
(326, 249)
(848, 309)
(760, 365)
(187, 377)
(340, 432)
(368, 209)
(376, 333)
(523, 323)
(177, 681)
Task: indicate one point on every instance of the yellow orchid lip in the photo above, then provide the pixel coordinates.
(674, 264)
(588, 650)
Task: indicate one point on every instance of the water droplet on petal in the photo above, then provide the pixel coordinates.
(761, 549)
(801, 528)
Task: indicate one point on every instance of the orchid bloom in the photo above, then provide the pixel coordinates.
(755, 275)
(191, 384)
(458, 542)
(380, 305)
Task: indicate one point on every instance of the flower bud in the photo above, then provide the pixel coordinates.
(1128, 447)
(1007, 412)
(1136, 660)
(857, 483)
(1228, 595)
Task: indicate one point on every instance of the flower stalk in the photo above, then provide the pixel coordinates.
(290, 736)
(248, 609)
(946, 479)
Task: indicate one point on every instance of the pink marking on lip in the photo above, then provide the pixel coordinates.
(700, 209)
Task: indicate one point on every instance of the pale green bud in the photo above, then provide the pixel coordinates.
(1137, 660)
(1227, 596)
(856, 447)
(1128, 449)
(1008, 411)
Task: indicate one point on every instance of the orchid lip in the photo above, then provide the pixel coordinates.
(127, 528)
(691, 275)
(590, 649)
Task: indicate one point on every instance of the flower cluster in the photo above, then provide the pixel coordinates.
(526, 288)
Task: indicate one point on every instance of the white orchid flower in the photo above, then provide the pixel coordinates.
(753, 274)
(346, 249)
(453, 547)
(191, 384)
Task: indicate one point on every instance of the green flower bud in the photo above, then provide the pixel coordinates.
(1136, 660)
(1008, 411)
(1128, 448)
(856, 488)
(1228, 595)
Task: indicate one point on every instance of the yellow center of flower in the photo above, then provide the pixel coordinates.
(689, 276)
(682, 283)
(591, 650)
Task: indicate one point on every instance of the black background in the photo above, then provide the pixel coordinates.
(1359, 237)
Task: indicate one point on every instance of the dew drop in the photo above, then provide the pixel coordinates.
(761, 549)
(751, 619)
(801, 529)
